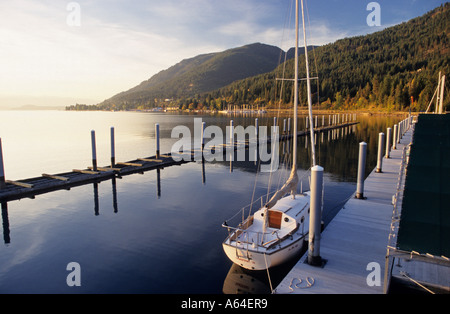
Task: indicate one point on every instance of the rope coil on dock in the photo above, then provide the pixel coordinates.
(309, 283)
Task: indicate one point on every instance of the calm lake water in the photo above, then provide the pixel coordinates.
(157, 232)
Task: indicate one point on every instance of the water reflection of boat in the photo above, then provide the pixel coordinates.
(243, 281)
(240, 282)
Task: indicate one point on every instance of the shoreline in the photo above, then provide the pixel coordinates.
(333, 111)
(272, 111)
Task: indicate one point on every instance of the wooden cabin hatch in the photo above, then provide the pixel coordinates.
(275, 219)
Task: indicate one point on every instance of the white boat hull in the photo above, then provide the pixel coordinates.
(258, 260)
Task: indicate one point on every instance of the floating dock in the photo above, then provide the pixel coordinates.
(354, 240)
(359, 248)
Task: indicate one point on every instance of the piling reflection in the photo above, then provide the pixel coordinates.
(5, 223)
(335, 150)
(96, 202)
(114, 192)
(158, 183)
(203, 172)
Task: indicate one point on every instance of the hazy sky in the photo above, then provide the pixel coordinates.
(55, 52)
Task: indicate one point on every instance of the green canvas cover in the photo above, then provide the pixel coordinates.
(425, 217)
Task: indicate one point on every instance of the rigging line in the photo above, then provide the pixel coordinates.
(302, 79)
(308, 85)
(268, 274)
(281, 95)
(287, 22)
(283, 69)
(254, 187)
(341, 204)
(416, 282)
(317, 77)
(314, 54)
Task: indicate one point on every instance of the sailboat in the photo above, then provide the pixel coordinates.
(278, 230)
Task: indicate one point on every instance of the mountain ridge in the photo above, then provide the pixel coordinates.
(203, 73)
(390, 69)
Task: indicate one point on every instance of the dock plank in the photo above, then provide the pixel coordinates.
(105, 169)
(357, 236)
(150, 160)
(133, 164)
(21, 184)
(85, 171)
(61, 178)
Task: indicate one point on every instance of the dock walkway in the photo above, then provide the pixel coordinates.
(354, 243)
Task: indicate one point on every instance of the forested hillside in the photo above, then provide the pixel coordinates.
(394, 69)
(197, 75)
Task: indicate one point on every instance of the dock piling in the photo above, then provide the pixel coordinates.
(94, 151)
(157, 140)
(113, 149)
(315, 219)
(388, 142)
(361, 170)
(394, 137)
(380, 152)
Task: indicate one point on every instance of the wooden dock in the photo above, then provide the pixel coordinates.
(15, 190)
(353, 245)
(29, 188)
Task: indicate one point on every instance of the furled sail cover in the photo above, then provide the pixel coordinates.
(289, 186)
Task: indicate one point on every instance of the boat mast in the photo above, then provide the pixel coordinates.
(308, 85)
(294, 153)
(292, 182)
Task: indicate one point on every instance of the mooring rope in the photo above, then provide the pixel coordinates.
(268, 274)
(309, 283)
(416, 282)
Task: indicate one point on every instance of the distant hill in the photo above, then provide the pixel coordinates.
(200, 74)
